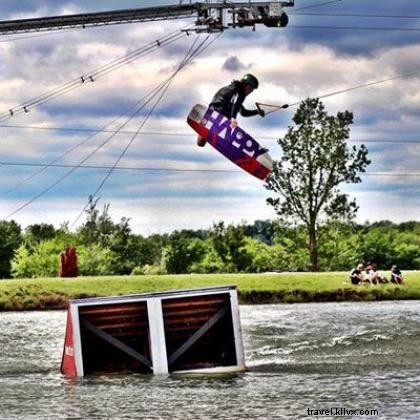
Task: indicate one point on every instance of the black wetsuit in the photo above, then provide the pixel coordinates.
(355, 276)
(229, 101)
(396, 276)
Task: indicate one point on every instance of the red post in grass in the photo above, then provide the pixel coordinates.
(68, 262)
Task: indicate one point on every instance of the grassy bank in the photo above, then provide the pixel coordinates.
(54, 293)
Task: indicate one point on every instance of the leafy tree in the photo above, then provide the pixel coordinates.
(263, 230)
(210, 262)
(182, 252)
(36, 233)
(42, 261)
(98, 227)
(378, 244)
(119, 244)
(406, 255)
(315, 161)
(229, 244)
(143, 251)
(22, 264)
(10, 239)
(264, 257)
(154, 246)
(293, 239)
(412, 227)
(341, 247)
(95, 260)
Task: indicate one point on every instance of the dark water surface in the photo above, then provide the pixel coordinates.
(355, 356)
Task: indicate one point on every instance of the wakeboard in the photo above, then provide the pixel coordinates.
(235, 144)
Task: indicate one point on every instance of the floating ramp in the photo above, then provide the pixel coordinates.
(178, 331)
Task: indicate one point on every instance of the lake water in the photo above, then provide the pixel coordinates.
(301, 358)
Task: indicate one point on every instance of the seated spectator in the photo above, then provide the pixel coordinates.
(356, 276)
(370, 273)
(380, 278)
(374, 276)
(396, 275)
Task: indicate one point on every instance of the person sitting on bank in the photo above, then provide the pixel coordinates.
(356, 276)
(370, 273)
(374, 276)
(396, 275)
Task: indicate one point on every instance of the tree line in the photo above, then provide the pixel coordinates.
(105, 247)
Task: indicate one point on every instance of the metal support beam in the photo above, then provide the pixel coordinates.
(115, 342)
(202, 11)
(97, 19)
(198, 334)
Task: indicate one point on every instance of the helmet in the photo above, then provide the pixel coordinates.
(251, 80)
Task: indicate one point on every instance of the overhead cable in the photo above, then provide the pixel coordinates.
(160, 169)
(312, 6)
(338, 92)
(190, 55)
(96, 72)
(67, 174)
(156, 91)
(162, 92)
(355, 15)
(174, 134)
(91, 76)
(39, 36)
(132, 111)
(355, 28)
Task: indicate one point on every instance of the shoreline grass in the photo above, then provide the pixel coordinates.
(54, 293)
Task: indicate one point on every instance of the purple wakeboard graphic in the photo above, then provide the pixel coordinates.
(237, 145)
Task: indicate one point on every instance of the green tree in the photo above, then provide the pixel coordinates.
(315, 161)
(229, 244)
(377, 245)
(182, 252)
(22, 264)
(98, 227)
(42, 261)
(120, 245)
(263, 230)
(340, 247)
(10, 239)
(293, 239)
(264, 257)
(211, 261)
(36, 233)
(95, 260)
(406, 255)
(143, 251)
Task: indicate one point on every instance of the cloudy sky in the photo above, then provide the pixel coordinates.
(333, 46)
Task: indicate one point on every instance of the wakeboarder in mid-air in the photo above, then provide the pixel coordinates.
(229, 100)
